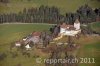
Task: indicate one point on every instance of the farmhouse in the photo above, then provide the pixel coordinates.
(36, 37)
(33, 37)
(17, 44)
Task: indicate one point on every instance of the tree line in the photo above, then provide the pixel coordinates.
(46, 14)
(4, 1)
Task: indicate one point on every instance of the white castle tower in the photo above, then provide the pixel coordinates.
(77, 24)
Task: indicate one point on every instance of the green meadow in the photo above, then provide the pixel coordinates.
(95, 27)
(13, 32)
(9, 33)
(14, 6)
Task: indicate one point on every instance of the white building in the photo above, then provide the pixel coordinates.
(17, 44)
(28, 47)
(70, 30)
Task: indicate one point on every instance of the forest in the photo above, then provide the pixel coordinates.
(52, 15)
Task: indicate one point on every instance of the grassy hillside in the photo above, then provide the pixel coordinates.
(63, 5)
(12, 32)
(96, 26)
(89, 46)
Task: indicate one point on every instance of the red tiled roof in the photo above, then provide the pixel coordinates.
(64, 25)
(36, 33)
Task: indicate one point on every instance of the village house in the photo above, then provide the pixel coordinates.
(33, 37)
(36, 37)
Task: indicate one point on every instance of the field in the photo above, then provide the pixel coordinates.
(95, 27)
(13, 32)
(89, 45)
(10, 33)
(14, 6)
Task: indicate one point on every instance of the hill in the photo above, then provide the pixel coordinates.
(63, 5)
(12, 32)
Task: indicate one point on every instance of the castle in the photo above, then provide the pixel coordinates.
(70, 30)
